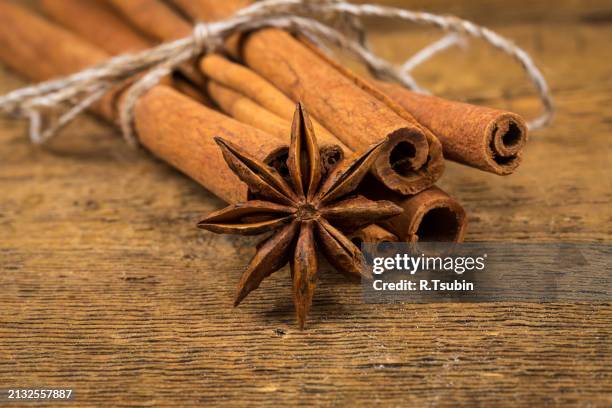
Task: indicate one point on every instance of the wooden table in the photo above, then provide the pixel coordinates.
(108, 288)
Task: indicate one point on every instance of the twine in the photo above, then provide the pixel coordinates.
(71, 95)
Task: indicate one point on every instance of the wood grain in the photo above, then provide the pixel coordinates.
(107, 287)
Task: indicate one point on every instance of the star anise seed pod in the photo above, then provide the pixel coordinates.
(305, 212)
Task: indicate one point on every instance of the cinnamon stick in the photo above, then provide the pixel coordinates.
(172, 126)
(431, 215)
(122, 37)
(247, 111)
(181, 132)
(153, 17)
(423, 209)
(488, 139)
(405, 165)
(95, 21)
(481, 137)
(236, 105)
(246, 82)
(161, 22)
(408, 163)
(211, 11)
(99, 24)
(26, 49)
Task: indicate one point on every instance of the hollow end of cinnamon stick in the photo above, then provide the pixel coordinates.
(408, 163)
(439, 219)
(430, 216)
(478, 136)
(413, 159)
(505, 137)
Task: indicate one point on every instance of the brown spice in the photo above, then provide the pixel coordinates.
(352, 114)
(431, 215)
(181, 132)
(186, 88)
(247, 111)
(39, 50)
(433, 166)
(234, 104)
(304, 213)
(151, 17)
(174, 127)
(212, 11)
(246, 82)
(161, 22)
(478, 136)
(99, 24)
(406, 164)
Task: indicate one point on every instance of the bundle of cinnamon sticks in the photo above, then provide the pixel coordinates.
(248, 94)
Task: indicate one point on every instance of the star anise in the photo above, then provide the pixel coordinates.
(305, 212)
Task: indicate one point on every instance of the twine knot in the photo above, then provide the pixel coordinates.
(204, 41)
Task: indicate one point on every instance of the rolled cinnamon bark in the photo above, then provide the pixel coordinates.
(409, 162)
(181, 132)
(488, 139)
(187, 88)
(99, 24)
(429, 216)
(246, 82)
(175, 128)
(160, 21)
(244, 110)
(26, 49)
(247, 111)
(406, 164)
(211, 10)
(434, 166)
(154, 18)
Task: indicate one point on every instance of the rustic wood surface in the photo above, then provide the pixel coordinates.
(107, 287)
